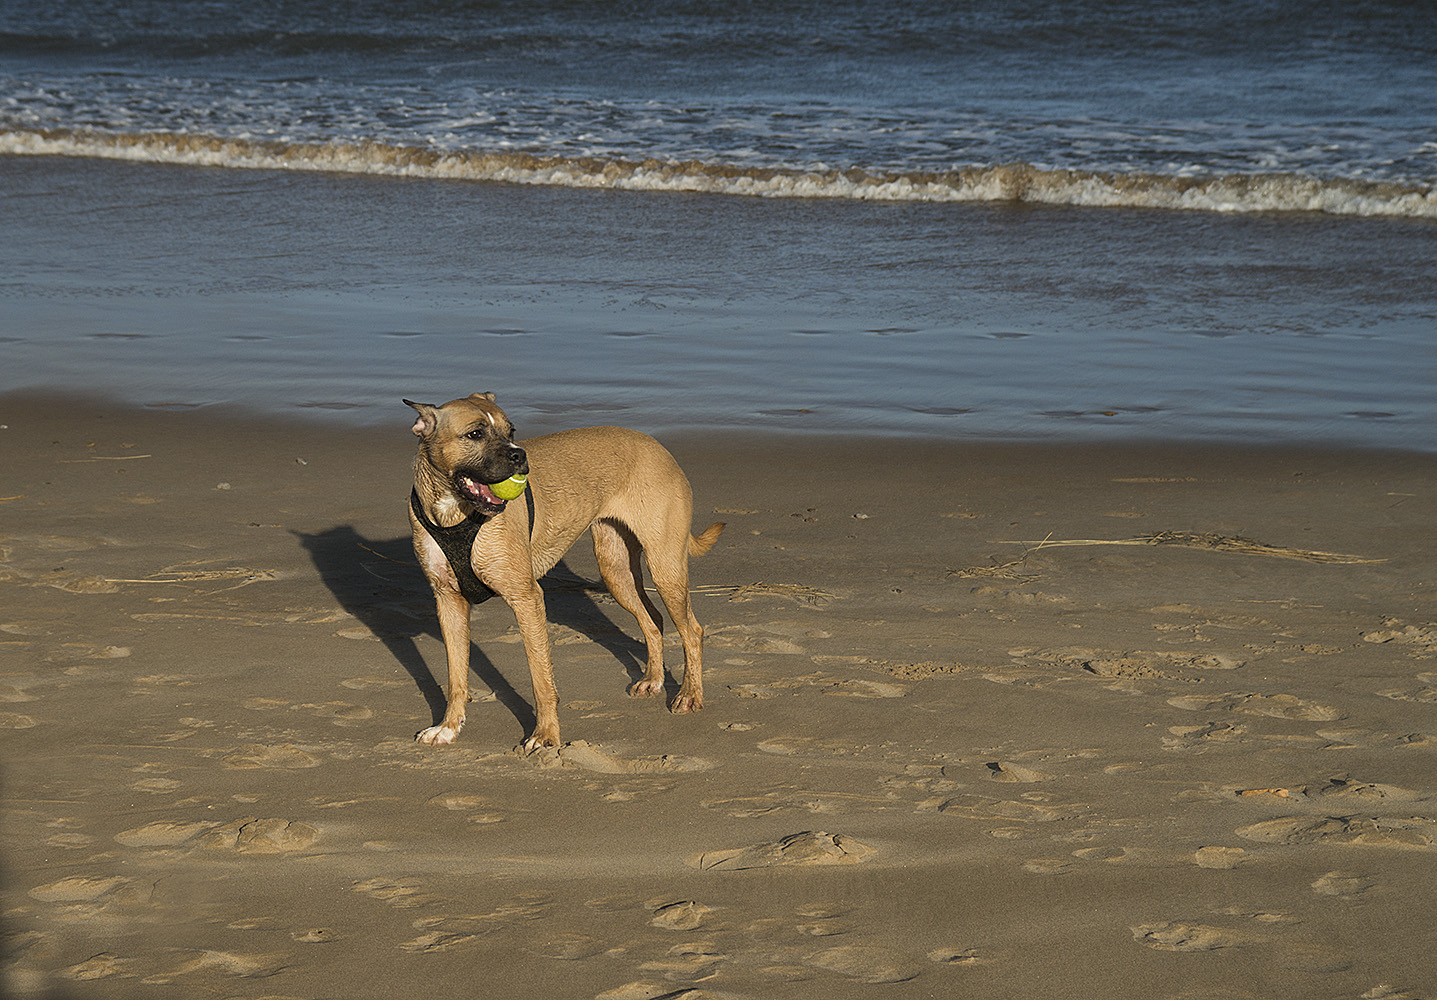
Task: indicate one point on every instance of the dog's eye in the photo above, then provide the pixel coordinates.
(475, 434)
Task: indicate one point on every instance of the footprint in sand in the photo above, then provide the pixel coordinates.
(565, 947)
(684, 915)
(1178, 936)
(11, 693)
(580, 754)
(163, 833)
(856, 688)
(455, 931)
(1008, 771)
(78, 888)
(780, 687)
(844, 687)
(71, 651)
(824, 920)
(315, 935)
(341, 713)
(1360, 793)
(1407, 833)
(807, 848)
(156, 786)
(1423, 695)
(749, 639)
(457, 801)
(789, 746)
(249, 835)
(465, 803)
(688, 963)
(956, 956)
(16, 720)
(865, 963)
(983, 807)
(1219, 858)
(261, 836)
(1277, 706)
(1424, 639)
(1047, 866)
(1343, 885)
(1011, 596)
(1109, 854)
(747, 807)
(375, 683)
(1199, 738)
(816, 803)
(459, 934)
(280, 755)
(230, 964)
(101, 966)
(32, 629)
(404, 893)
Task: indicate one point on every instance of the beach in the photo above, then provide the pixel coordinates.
(982, 719)
(1063, 375)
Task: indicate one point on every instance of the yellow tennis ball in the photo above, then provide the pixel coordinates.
(509, 488)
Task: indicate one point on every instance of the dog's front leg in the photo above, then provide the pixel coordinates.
(528, 607)
(454, 624)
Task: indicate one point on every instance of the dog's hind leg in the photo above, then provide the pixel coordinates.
(618, 552)
(668, 558)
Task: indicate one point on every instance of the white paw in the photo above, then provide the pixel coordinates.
(437, 736)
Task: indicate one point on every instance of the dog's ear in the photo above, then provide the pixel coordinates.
(486, 396)
(427, 420)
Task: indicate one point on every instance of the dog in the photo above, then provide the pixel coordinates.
(620, 485)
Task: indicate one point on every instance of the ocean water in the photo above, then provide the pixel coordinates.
(1197, 220)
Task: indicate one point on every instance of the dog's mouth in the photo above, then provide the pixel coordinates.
(478, 494)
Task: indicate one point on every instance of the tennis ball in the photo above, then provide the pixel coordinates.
(509, 488)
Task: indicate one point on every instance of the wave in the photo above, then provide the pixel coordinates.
(1009, 182)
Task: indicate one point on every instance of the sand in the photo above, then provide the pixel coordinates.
(981, 720)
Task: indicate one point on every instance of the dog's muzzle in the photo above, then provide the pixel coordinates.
(473, 484)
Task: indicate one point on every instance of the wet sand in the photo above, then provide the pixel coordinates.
(981, 720)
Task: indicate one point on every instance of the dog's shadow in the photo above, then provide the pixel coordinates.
(380, 584)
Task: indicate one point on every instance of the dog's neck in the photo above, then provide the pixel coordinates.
(440, 506)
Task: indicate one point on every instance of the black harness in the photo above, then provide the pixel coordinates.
(457, 544)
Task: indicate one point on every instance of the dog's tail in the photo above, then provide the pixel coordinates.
(698, 546)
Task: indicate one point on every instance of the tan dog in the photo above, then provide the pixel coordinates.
(621, 485)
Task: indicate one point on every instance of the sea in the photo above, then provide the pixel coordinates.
(1091, 220)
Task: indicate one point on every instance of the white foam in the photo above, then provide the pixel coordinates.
(1016, 182)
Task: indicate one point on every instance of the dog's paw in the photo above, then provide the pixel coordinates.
(540, 739)
(686, 703)
(437, 736)
(646, 689)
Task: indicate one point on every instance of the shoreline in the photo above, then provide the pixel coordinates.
(314, 421)
(965, 730)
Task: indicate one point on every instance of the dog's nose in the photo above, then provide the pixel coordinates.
(518, 457)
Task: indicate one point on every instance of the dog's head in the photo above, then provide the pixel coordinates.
(469, 444)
